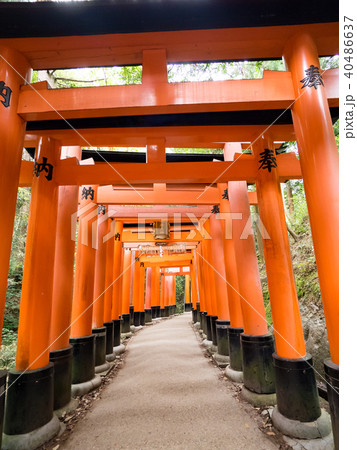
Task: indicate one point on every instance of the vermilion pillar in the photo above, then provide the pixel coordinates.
(148, 311)
(117, 271)
(64, 260)
(108, 294)
(98, 327)
(99, 274)
(208, 278)
(173, 296)
(136, 292)
(167, 284)
(236, 328)
(194, 290)
(319, 165)
(257, 344)
(155, 291)
(37, 287)
(82, 338)
(24, 400)
(85, 264)
(61, 351)
(126, 290)
(194, 293)
(14, 70)
(117, 287)
(219, 269)
(141, 299)
(234, 299)
(148, 288)
(164, 294)
(295, 378)
(223, 321)
(289, 337)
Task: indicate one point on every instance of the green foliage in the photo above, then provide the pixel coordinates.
(180, 294)
(215, 71)
(91, 76)
(8, 356)
(13, 294)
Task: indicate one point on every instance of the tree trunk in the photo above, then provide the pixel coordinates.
(289, 196)
(258, 234)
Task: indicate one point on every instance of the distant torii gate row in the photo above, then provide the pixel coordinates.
(71, 323)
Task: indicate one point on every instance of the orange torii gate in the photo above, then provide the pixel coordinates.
(157, 114)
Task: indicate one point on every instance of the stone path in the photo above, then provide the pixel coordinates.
(167, 396)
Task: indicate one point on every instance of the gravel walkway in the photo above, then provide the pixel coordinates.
(168, 396)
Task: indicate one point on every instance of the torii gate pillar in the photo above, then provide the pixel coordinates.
(29, 404)
(319, 165)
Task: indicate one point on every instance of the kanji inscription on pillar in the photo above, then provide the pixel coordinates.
(101, 210)
(5, 93)
(87, 193)
(215, 209)
(117, 237)
(43, 167)
(267, 159)
(313, 78)
(225, 194)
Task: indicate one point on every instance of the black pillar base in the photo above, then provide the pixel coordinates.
(116, 332)
(235, 348)
(110, 337)
(29, 403)
(158, 312)
(198, 309)
(83, 358)
(3, 378)
(222, 337)
(126, 323)
(167, 311)
(131, 311)
(214, 330)
(142, 318)
(201, 319)
(296, 390)
(204, 322)
(258, 371)
(332, 378)
(162, 312)
(173, 309)
(136, 318)
(153, 312)
(194, 315)
(188, 307)
(62, 376)
(148, 315)
(100, 346)
(209, 329)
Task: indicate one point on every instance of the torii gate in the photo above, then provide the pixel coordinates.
(158, 115)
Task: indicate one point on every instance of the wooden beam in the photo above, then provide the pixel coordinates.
(181, 137)
(130, 214)
(181, 46)
(143, 238)
(183, 263)
(244, 168)
(273, 91)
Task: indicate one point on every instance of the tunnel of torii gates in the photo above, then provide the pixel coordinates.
(142, 219)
